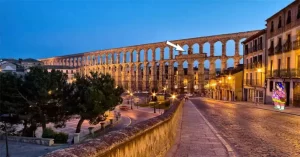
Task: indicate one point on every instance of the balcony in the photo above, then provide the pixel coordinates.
(259, 47)
(254, 82)
(278, 49)
(287, 46)
(296, 44)
(271, 51)
(250, 50)
(283, 73)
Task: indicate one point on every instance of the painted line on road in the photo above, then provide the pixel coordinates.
(129, 120)
(231, 153)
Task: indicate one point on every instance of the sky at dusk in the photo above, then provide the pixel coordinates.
(47, 28)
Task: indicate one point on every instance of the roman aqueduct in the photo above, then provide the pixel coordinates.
(165, 65)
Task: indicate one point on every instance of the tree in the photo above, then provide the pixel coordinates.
(44, 92)
(92, 96)
(11, 101)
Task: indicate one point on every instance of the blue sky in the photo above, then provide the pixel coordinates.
(45, 28)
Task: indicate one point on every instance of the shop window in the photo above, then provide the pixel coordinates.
(271, 86)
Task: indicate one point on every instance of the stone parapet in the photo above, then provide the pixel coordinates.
(40, 141)
(149, 138)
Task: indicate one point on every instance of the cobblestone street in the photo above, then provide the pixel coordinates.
(253, 131)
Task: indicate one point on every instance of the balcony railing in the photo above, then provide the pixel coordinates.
(283, 73)
(254, 82)
(259, 47)
(271, 51)
(278, 49)
(287, 46)
(296, 44)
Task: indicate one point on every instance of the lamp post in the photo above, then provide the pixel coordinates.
(153, 95)
(165, 93)
(131, 100)
(5, 118)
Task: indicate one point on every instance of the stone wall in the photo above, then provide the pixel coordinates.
(147, 139)
(40, 141)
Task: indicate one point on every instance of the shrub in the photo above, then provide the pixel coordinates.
(61, 137)
(58, 137)
(48, 133)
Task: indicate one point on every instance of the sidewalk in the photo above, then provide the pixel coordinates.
(144, 109)
(197, 137)
(288, 110)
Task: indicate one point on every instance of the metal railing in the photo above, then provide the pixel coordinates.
(283, 73)
(287, 46)
(271, 51)
(296, 44)
(254, 82)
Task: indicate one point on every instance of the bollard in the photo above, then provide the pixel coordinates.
(111, 121)
(102, 125)
(76, 137)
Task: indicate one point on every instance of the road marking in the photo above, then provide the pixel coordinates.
(227, 146)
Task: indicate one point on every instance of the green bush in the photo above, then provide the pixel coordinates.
(48, 133)
(58, 137)
(61, 137)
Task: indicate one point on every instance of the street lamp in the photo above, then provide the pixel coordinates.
(173, 97)
(259, 70)
(153, 95)
(131, 99)
(165, 93)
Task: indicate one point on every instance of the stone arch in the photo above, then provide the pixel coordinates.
(230, 47)
(149, 55)
(110, 58)
(157, 54)
(241, 61)
(241, 49)
(230, 62)
(196, 48)
(115, 58)
(142, 54)
(134, 56)
(206, 69)
(175, 53)
(218, 65)
(166, 52)
(218, 48)
(122, 57)
(206, 48)
(186, 48)
(127, 57)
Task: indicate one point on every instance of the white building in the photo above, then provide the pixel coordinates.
(283, 54)
(65, 69)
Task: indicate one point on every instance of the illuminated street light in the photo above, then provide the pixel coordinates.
(131, 100)
(49, 92)
(259, 70)
(173, 97)
(229, 77)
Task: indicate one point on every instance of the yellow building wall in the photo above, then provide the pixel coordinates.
(238, 89)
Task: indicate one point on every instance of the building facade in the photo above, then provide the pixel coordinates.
(283, 54)
(254, 68)
(148, 66)
(69, 71)
(227, 86)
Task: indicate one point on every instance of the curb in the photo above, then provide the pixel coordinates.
(230, 150)
(295, 114)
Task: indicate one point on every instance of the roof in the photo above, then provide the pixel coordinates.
(57, 67)
(255, 36)
(30, 60)
(282, 10)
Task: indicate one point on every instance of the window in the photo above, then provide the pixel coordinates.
(289, 17)
(271, 68)
(288, 63)
(279, 22)
(271, 86)
(246, 49)
(272, 26)
(260, 43)
(298, 35)
(298, 14)
(278, 67)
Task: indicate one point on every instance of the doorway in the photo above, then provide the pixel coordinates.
(287, 89)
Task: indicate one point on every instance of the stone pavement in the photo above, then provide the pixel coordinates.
(288, 110)
(197, 137)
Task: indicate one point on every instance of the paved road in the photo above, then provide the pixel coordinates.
(252, 131)
(18, 149)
